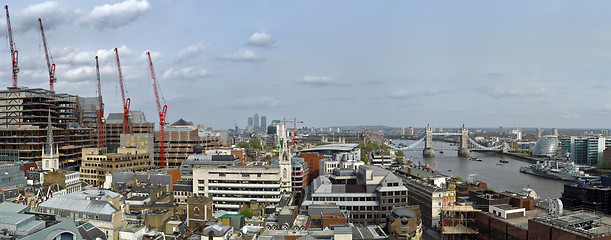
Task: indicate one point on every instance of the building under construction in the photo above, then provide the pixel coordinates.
(182, 139)
(24, 117)
(114, 127)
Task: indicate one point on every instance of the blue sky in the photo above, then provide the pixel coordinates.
(395, 63)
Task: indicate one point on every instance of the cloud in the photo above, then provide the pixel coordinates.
(315, 80)
(155, 56)
(261, 39)
(263, 102)
(52, 14)
(188, 73)
(242, 55)
(400, 94)
(404, 94)
(192, 51)
(515, 92)
(116, 15)
(75, 56)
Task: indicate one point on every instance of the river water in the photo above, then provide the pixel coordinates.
(505, 177)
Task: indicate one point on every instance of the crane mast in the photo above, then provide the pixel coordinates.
(50, 66)
(294, 122)
(101, 110)
(14, 53)
(162, 114)
(126, 101)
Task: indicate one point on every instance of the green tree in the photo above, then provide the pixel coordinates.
(251, 144)
(400, 154)
(243, 144)
(255, 143)
(364, 156)
(247, 212)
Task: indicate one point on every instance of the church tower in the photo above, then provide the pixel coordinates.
(50, 153)
(284, 160)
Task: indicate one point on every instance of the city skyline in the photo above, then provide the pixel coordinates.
(343, 63)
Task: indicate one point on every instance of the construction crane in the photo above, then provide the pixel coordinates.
(101, 110)
(50, 66)
(14, 53)
(126, 101)
(294, 121)
(162, 113)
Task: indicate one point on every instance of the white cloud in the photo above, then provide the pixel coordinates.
(75, 56)
(188, 73)
(242, 55)
(192, 51)
(117, 15)
(52, 14)
(315, 80)
(261, 39)
(516, 92)
(400, 94)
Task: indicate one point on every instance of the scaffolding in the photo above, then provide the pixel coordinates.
(24, 117)
(458, 222)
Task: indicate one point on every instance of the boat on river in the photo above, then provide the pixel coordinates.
(565, 171)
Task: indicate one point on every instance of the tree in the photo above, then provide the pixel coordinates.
(400, 154)
(243, 144)
(247, 212)
(364, 156)
(252, 144)
(255, 143)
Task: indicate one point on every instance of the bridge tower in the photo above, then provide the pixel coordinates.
(463, 150)
(428, 142)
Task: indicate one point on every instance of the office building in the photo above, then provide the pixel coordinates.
(426, 190)
(113, 128)
(300, 174)
(96, 163)
(232, 186)
(196, 160)
(256, 122)
(250, 121)
(368, 194)
(584, 150)
(182, 139)
(263, 123)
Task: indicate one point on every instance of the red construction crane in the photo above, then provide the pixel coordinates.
(50, 66)
(162, 114)
(126, 101)
(14, 53)
(294, 121)
(101, 111)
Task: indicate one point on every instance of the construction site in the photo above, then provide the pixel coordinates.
(79, 122)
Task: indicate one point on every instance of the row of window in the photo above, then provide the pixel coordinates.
(242, 189)
(398, 193)
(237, 182)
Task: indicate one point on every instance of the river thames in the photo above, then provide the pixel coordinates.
(504, 177)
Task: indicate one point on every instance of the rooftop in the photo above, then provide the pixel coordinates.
(332, 147)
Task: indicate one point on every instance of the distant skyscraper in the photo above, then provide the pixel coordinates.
(402, 130)
(501, 130)
(250, 122)
(538, 133)
(256, 123)
(555, 131)
(263, 122)
(411, 130)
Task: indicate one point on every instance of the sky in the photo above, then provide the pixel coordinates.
(329, 63)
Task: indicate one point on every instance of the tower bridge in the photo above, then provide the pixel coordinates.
(466, 143)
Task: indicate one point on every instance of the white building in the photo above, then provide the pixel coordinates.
(231, 186)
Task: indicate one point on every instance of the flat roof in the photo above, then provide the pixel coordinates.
(332, 147)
